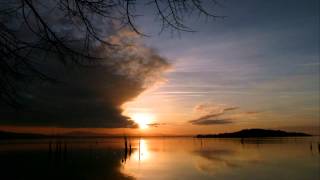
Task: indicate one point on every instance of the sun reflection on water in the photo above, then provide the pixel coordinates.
(142, 152)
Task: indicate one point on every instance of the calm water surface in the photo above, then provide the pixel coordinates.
(161, 158)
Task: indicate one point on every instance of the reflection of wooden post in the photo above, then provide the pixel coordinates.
(125, 143)
(65, 150)
(50, 147)
(65, 147)
(60, 144)
(125, 148)
(139, 148)
(56, 146)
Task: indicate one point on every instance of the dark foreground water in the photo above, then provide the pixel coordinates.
(161, 158)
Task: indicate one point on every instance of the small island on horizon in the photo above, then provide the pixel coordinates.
(254, 133)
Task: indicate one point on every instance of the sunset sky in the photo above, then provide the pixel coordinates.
(263, 59)
(256, 68)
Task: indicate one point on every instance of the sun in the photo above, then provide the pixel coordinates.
(142, 119)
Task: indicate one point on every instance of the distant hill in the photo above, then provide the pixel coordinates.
(251, 133)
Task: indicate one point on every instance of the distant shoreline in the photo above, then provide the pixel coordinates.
(246, 133)
(254, 133)
(6, 135)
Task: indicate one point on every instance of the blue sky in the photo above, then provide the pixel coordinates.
(263, 57)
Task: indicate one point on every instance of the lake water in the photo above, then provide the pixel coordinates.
(161, 158)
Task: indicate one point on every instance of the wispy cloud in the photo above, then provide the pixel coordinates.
(252, 112)
(181, 92)
(156, 124)
(211, 121)
(210, 108)
(211, 114)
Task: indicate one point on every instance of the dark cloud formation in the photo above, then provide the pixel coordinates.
(90, 96)
(211, 114)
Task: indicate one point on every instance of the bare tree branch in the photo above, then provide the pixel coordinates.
(20, 55)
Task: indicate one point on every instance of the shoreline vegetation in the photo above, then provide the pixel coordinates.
(254, 133)
(245, 133)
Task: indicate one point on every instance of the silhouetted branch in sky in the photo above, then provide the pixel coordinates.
(70, 30)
